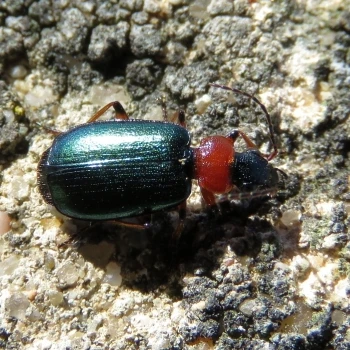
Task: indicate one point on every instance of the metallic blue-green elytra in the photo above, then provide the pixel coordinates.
(116, 169)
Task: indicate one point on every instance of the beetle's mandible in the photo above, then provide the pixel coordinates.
(108, 170)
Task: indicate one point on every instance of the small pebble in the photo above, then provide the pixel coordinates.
(18, 72)
(5, 222)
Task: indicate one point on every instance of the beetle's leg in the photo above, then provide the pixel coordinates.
(131, 224)
(179, 118)
(250, 144)
(120, 111)
(252, 194)
(236, 133)
(180, 225)
(49, 130)
(210, 201)
(78, 238)
(208, 197)
(118, 108)
(52, 131)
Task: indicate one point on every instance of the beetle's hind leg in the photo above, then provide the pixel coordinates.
(119, 114)
(49, 130)
(118, 108)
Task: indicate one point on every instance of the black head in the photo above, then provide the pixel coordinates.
(252, 172)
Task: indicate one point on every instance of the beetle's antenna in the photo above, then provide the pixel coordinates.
(268, 117)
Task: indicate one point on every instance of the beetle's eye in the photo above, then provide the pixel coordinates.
(234, 134)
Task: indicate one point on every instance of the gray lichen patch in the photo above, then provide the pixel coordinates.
(14, 125)
(264, 273)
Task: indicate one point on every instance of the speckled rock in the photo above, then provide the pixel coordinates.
(259, 273)
(14, 126)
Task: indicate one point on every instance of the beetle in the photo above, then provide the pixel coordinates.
(109, 170)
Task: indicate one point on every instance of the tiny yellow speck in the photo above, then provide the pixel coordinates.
(19, 111)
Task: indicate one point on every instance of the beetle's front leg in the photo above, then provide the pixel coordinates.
(49, 130)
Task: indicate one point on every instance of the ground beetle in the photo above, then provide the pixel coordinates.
(108, 170)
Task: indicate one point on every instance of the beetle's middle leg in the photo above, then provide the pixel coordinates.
(118, 108)
(179, 116)
(131, 224)
(182, 216)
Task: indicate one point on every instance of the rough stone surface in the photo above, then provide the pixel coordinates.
(262, 273)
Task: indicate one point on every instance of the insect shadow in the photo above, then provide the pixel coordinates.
(150, 258)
